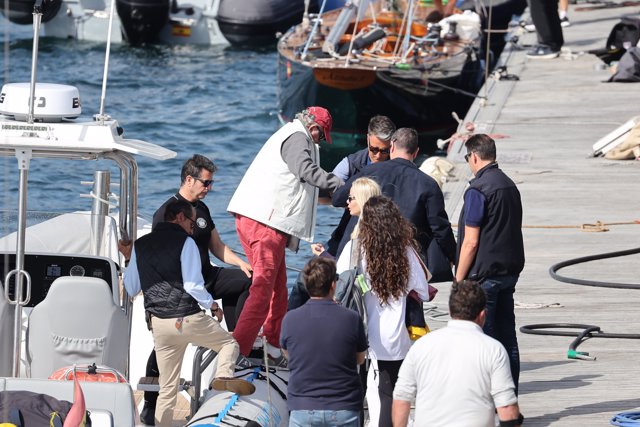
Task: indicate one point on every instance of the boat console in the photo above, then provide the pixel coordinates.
(45, 268)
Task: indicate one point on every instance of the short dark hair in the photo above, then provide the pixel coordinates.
(381, 127)
(483, 145)
(318, 275)
(194, 165)
(175, 207)
(467, 300)
(406, 139)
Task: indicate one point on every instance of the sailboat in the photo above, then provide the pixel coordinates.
(384, 58)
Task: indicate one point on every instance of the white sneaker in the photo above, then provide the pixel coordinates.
(543, 52)
(565, 21)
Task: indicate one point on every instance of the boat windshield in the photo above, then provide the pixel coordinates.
(77, 233)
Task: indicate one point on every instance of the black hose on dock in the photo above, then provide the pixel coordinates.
(583, 332)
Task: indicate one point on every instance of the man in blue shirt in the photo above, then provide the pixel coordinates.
(165, 266)
(490, 244)
(324, 343)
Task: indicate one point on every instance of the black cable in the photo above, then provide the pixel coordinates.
(554, 269)
(584, 331)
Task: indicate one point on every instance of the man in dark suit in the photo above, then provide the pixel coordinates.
(417, 195)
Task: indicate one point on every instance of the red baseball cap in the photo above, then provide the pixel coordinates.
(322, 118)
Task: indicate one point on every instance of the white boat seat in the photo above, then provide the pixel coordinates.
(77, 323)
(6, 335)
(113, 403)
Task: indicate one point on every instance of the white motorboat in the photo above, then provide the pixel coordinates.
(173, 22)
(61, 302)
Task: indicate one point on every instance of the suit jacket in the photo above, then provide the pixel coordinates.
(419, 198)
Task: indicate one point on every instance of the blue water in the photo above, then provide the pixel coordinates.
(219, 102)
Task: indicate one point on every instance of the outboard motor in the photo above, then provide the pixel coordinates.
(21, 11)
(142, 20)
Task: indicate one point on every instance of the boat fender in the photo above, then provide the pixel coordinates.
(362, 41)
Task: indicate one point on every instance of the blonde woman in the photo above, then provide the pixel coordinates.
(361, 190)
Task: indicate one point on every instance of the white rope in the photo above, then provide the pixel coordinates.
(266, 373)
(92, 195)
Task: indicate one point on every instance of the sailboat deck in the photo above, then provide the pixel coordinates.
(550, 118)
(385, 53)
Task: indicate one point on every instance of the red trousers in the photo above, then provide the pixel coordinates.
(267, 302)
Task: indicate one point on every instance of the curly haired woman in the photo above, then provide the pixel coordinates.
(392, 269)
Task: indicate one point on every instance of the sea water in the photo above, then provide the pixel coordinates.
(215, 101)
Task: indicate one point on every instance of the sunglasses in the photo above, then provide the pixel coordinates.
(193, 223)
(321, 137)
(468, 156)
(376, 150)
(205, 182)
(350, 199)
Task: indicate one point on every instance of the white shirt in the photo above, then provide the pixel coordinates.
(192, 280)
(386, 329)
(457, 376)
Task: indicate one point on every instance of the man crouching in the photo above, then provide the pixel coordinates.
(165, 265)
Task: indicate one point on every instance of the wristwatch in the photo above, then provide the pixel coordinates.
(513, 423)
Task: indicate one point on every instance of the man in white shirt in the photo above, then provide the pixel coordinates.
(165, 266)
(457, 375)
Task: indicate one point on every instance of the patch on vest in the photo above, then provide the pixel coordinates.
(201, 222)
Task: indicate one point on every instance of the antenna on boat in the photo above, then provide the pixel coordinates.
(37, 20)
(101, 117)
(24, 159)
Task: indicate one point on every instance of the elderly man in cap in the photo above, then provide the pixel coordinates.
(275, 206)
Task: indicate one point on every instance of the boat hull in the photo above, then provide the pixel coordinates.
(354, 96)
(258, 21)
(197, 22)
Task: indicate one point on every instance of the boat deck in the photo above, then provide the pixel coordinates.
(550, 118)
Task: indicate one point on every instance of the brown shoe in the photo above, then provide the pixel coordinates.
(235, 385)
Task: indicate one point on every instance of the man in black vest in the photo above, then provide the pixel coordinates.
(165, 265)
(490, 244)
(229, 284)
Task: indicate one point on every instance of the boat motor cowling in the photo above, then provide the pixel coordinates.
(142, 20)
(21, 11)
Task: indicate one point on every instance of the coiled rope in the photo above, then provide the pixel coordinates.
(626, 419)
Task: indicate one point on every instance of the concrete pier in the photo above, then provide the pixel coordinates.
(545, 124)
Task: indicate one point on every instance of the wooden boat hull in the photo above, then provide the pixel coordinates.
(353, 96)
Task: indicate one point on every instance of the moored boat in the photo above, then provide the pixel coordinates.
(173, 22)
(363, 60)
(61, 303)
